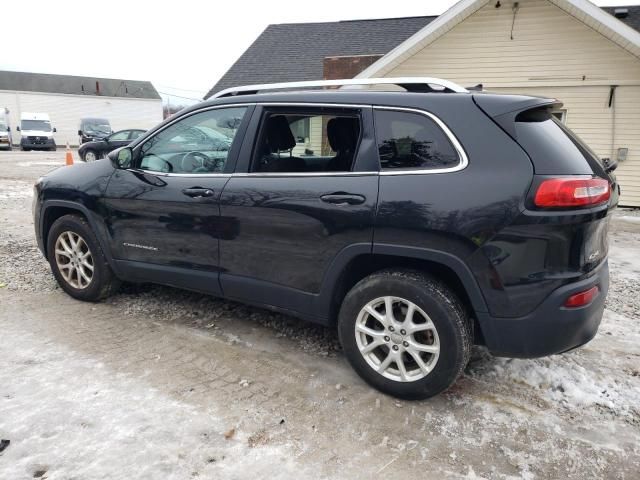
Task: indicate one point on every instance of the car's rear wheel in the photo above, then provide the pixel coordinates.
(77, 261)
(405, 333)
(90, 156)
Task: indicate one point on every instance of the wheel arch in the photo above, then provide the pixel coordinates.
(349, 269)
(52, 210)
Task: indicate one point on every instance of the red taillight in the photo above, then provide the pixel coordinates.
(582, 298)
(572, 192)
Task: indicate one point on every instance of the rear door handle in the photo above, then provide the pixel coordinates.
(341, 198)
(197, 192)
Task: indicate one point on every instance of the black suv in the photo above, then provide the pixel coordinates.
(418, 223)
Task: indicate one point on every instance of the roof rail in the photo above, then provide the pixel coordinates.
(411, 84)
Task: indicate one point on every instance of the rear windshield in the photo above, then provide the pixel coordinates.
(554, 149)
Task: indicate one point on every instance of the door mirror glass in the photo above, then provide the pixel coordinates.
(121, 158)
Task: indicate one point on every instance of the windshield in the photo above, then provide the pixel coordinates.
(98, 126)
(3, 127)
(40, 125)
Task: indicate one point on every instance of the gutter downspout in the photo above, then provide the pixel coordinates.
(612, 106)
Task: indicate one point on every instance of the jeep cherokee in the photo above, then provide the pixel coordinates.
(416, 222)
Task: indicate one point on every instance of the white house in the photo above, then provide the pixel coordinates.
(67, 99)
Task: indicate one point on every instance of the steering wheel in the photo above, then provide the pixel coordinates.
(201, 163)
(156, 163)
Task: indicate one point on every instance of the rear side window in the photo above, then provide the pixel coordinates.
(554, 149)
(412, 141)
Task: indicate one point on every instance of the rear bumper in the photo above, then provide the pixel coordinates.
(551, 328)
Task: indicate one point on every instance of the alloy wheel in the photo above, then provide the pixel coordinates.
(90, 156)
(74, 260)
(397, 339)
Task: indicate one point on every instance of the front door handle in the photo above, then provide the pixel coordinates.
(342, 198)
(198, 192)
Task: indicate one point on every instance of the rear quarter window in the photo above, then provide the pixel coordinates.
(553, 148)
(412, 141)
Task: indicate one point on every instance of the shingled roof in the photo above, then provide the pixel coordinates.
(633, 17)
(295, 51)
(69, 84)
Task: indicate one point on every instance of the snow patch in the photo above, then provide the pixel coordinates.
(15, 190)
(69, 416)
(52, 163)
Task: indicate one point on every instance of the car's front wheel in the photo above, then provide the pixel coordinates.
(77, 261)
(90, 156)
(405, 333)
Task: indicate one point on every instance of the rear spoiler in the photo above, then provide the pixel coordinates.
(503, 109)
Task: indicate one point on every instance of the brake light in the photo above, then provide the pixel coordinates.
(572, 192)
(582, 298)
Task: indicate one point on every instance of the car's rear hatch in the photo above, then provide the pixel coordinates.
(564, 218)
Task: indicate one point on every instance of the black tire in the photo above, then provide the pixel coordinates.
(443, 308)
(103, 282)
(95, 154)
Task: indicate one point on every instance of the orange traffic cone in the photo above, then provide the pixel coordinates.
(69, 155)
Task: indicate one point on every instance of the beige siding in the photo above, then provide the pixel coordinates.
(552, 54)
(314, 142)
(549, 47)
(589, 115)
(66, 111)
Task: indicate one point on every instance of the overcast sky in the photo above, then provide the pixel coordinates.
(183, 47)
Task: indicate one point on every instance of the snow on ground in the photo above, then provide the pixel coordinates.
(32, 163)
(73, 416)
(10, 190)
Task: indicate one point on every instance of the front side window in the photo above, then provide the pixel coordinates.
(307, 141)
(120, 136)
(135, 134)
(199, 143)
(409, 140)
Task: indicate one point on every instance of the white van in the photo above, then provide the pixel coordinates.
(36, 132)
(5, 130)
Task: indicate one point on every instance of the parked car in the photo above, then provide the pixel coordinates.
(36, 132)
(96, 149)
(92, 129)
(5, 131)
(423, 223)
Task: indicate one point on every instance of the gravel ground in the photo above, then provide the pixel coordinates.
(190, 358)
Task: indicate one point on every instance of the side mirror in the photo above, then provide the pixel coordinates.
(18, 129)
(8, 129)
(121, 158)
(80, 133)
(610, 164)
(54, 130)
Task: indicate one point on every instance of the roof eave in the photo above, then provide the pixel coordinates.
(592, 16)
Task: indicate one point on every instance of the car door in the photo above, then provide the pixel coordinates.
(297, 203)
(163, 212)
(117, 140)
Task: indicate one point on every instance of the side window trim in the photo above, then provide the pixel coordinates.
(462, 155)
(234, 151)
